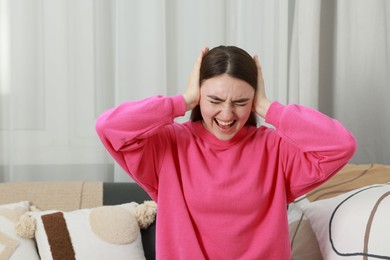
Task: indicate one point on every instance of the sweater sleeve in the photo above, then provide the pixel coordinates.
(135, 134)
(313, 146)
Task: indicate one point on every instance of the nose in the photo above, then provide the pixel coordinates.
(227, 112)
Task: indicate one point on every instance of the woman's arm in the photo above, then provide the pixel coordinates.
(135, 135)
(313, 146)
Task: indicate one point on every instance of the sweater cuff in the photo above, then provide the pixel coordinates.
(178, 105)
(273, 114)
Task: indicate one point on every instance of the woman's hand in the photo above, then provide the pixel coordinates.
(192, 94)
(260, 103)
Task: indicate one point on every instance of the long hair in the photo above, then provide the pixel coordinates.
(229, 60)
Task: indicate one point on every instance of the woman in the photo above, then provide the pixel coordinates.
(221, 183)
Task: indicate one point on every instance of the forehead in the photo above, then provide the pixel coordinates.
(227, 86)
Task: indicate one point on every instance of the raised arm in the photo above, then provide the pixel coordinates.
(135, 134)
(313, 146)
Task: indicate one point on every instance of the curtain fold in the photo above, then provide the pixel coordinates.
(362, 75)
(303, 84)
(63, 62)
(5, 120)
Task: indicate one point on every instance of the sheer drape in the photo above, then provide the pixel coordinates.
(63, 62)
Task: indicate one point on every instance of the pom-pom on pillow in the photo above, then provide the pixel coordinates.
(13, 247)
(106, 232)
(146, 213)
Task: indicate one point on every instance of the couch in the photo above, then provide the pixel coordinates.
(344, 217)
(71, 197)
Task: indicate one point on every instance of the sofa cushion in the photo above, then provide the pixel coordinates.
(351, 177)
(46, 195)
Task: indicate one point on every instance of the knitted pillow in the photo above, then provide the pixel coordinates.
(106, 232)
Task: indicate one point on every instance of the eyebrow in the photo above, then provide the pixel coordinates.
(241, 100)
(215, 98)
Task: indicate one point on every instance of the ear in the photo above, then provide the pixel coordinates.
(145, 213)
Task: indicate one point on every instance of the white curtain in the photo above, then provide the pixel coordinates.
(63, 62)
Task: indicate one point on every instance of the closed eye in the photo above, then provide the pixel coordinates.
(214, 99)
(241, 102)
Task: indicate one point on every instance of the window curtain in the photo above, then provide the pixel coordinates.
(63, 62)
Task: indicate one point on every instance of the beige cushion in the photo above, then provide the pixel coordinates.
(351, 177)
(54, 195)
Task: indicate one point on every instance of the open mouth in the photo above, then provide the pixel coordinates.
(224, 124)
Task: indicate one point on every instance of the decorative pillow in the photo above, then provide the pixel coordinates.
(354, 224)
(106, 232)
(13, 247)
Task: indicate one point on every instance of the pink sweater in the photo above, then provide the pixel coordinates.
(223, 199)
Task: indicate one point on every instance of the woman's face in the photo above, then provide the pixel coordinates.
(225, 105)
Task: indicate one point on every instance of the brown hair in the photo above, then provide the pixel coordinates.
(229, 60)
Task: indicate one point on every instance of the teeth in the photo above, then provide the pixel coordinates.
(225, 123)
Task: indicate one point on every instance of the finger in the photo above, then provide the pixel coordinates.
(259, 70)
(200, 57)
(256, 59)
(204, 51)
(198, 62)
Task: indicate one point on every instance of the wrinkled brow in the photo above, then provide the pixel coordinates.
(215, 98)
(241, 100)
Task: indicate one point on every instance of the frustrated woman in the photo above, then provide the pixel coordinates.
(221, 182)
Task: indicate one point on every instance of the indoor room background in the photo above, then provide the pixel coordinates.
(63, 62)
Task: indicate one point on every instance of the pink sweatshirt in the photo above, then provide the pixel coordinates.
(223, 199)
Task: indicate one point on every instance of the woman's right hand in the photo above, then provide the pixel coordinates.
(192, 94)
(261, 103)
